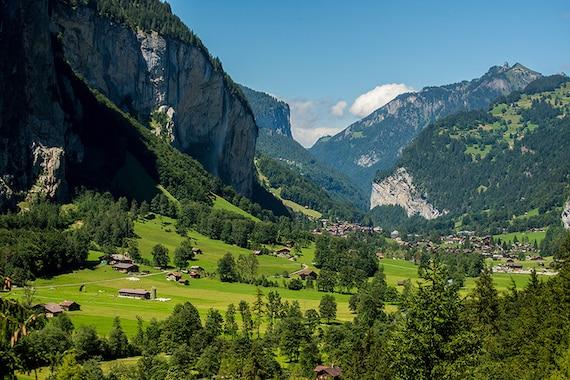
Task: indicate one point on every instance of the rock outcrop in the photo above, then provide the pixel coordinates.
(146, 72)
(566, 215)
(399, 190)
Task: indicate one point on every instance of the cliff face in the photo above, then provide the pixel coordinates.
(33, 128)
(399, 190)
(192, 104)
(566, 215)
(147, 73)
(271, 114)
(375, 142)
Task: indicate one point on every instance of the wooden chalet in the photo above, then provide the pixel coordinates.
(283, 252)
(325, 373)
(70, 305)
(52, 310)
(174, 276)
(307, 273)
(197, 251)
(126, 267)
(134, 293)
(195, 274)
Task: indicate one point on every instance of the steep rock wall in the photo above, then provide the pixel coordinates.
(399, 190)
(566, 215)
(146, 72)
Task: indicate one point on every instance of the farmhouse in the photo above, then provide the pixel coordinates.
(515, 265)
(283, 252)
(194, 274)
(395, 234)
(307, 273)
(323, 372)
(380, 255)
(52, 309)
(70, 305)
(196, 251)
(134, 293)
(174, 276)
(126, 267)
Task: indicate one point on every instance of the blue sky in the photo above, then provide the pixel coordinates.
(315, 53)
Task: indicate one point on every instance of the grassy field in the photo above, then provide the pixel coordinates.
(297, 207)
(222, 204)
(531, 235)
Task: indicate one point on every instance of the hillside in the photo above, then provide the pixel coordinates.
(375, 142)
(275, 141)
(489, 167)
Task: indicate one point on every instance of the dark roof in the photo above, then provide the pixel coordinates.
(134, 291)
(331, 371)
(68, 303)
(53, 308)
(124, 265)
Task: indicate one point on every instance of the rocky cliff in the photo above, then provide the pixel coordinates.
(168, 84)
(566, 215)
(271, 114)
(398, 190)
(375, 142)
(150, 74)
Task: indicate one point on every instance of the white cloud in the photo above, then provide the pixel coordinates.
(370, 101)
(312, 119)
(338, 108)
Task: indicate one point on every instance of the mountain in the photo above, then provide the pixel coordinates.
(507, 167)
(276, 141)
(271, 114)
(63, 52)
(375, 142)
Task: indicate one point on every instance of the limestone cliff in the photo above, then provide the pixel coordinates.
(42, 134)
(566, 215)
(271, 114)
(399, 190)
(148, 73)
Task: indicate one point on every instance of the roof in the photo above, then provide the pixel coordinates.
(134, 291)
(124, 265)
(175, 274)
(53, 308)
(68, 303)
(306, 271)
(332, 371)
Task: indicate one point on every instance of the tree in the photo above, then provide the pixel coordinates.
(327, 281)
(180, 326)
(292, 332)
(486, 301)
(327, 307)
(182, 254)
(118, 342)
(160, 256)
(214, 323)
(247, 322)
(133, 250)
(144, 209)
(312, 319)
(295, 284)
(309, 357)
(86, 343)
(227, 268)
(274, 307)
(230, 326)
(247, 268)
(258, 309)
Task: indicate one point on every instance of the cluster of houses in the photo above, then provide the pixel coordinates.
(119, 262)
(343, 228)
(54, 309)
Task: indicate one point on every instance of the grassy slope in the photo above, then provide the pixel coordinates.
(531, 235)
(222, 204)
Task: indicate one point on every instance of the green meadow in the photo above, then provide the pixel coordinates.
(532, 236)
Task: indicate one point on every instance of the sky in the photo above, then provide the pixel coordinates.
(336, 61)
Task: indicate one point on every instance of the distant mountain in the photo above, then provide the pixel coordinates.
(271, 114)
(375, 142)
(276, 141)
(508, 167)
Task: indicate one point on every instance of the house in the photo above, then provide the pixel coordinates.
(126, 267)
(196, 251)
(52, 310)
(283, 252)
(6, 284)
(196, 268)
(69, 305)
(183, 281)
(194, 274)
(515, 265)
(395, 234)
(174, 276)
(380, 255)
(134, 293)
(307, 273)
(118, 258)
(323, 372)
